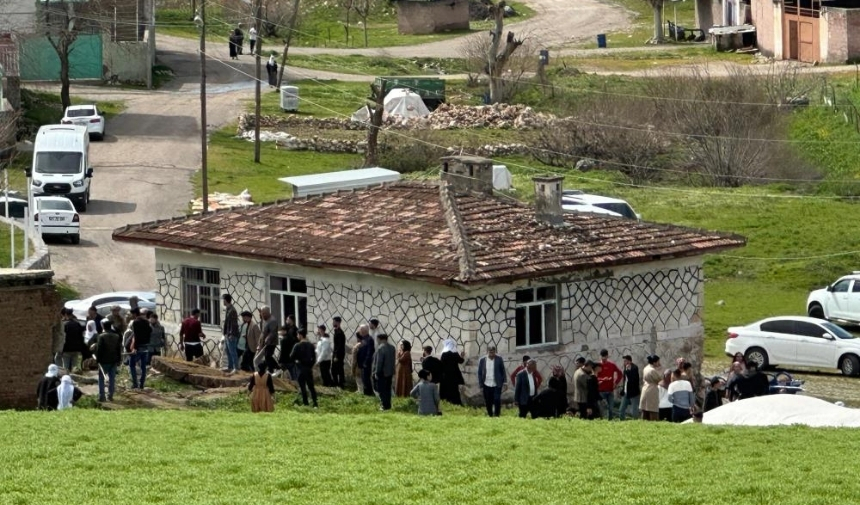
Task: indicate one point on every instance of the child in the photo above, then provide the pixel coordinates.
(427, 394)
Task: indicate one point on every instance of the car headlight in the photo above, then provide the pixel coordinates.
(37, 184)
(78, 184)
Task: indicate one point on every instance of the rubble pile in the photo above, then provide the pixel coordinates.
(445, 117)
(223, 201)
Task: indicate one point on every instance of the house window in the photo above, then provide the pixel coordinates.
(289, 295)
(537, 316)
(201, 289)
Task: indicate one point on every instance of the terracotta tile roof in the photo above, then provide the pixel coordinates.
(422, 231)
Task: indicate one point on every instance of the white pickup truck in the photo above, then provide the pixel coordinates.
(839, 301)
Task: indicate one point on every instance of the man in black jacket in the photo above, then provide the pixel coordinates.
(304, 356)
(142, 332)
(630, 388)
(74, 344)
(108, 352)
(339, 355)
(288, 341)
(592, 401)
(753, 383)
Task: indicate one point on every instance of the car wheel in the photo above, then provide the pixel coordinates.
(758, 355)
(850, 366)
(76, 238)
(816, 311)
(82, 206)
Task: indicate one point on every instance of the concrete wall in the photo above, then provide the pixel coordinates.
(130, 61)
(432, 16)
(17, 16)
(840, 35)
(705, 15)
(29, 303)
(763, 18)
(638, 309)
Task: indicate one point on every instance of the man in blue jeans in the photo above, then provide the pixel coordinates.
(491, 379)
(630, 388)
(608, 378)
(141, 331)
(231, 334)
(108, 353)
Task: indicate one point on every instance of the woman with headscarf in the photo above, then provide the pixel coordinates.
(262, 390)
(558, 383)
(272, 71)
(46, 384)
(649, 399)
(90, 333)
(67, 393)
(403, 375)
(234, 46)
(452, 377)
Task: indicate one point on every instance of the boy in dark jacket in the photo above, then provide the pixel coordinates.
(593, 395)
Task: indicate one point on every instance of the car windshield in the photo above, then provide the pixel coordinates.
(80, 112)
(618, 208)
(57, 162)
(55, 205)
(838, 331)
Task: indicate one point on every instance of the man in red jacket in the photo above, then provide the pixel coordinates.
(537, 376)
(608, 378)
(191, 336)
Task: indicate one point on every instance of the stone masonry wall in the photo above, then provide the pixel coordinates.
(29, 303)
(636, 310)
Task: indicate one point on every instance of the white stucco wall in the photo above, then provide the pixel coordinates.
(636, 310)
(17, 16)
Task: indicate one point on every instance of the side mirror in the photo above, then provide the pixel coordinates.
(830, 287)
(827, 336)
(89, 172)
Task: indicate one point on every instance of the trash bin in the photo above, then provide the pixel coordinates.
(601, 40)
(289, 98)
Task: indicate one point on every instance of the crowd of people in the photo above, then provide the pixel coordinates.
(267, 349)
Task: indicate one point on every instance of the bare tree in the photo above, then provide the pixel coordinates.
(657, 6)
(61, 27)
(348, 6)
(362, 9)
(371, 158)
(498, 55)
(518, 66)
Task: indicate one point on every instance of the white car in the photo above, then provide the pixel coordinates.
(796, 341)
(106, 300)
(577, 206)
(86, 115)
(615, 205)
(839, 301)
(56, 216)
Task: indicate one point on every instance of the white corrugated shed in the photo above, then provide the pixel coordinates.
(330, 182)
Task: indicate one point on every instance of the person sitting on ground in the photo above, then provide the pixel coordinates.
(67, 393)
(427, 394)
(663, 389)
(262, 390)
(47, 383)
(735, 374)
(552, 401)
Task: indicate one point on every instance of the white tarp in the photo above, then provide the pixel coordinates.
(783, 409)
(398, 102)
(502, 178)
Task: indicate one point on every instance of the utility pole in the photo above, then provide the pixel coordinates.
(258, 14)
(203, 167)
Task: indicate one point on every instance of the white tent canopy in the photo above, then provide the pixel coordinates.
(398, 102)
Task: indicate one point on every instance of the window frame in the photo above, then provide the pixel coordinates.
(846, 282)
(210, 316)
(281, 318)
(555, 301)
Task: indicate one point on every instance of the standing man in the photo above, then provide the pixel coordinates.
(117, 320)
(383, 370)
(375, 328)
(339, 354)
(526, 388)
(108, 352)
(365, 356)
(491, 378)
(630, 389)
(269, 339)
(609, 376)
(517, 370)
(290, 339)
(580, 389)
(191, 336)
(432, 364)
(231, 334)
(304, 356)
(324, 355)
(593, 387)
(142, 332)
(74, 344)
(251, 332)
(252, 36)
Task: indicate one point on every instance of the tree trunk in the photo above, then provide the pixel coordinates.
(287, 40)
(497, 62)
(658, 21)
(65, 82)
(365, 31)
(371, 159)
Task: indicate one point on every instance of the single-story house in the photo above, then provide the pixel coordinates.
(420, 17)
(440, 259)
(825, 31)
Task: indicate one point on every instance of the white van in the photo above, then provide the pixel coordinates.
(61, 163)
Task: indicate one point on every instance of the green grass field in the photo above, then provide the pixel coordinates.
(156, 457)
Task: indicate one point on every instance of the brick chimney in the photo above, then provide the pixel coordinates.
(468, 174)
(548, 190)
